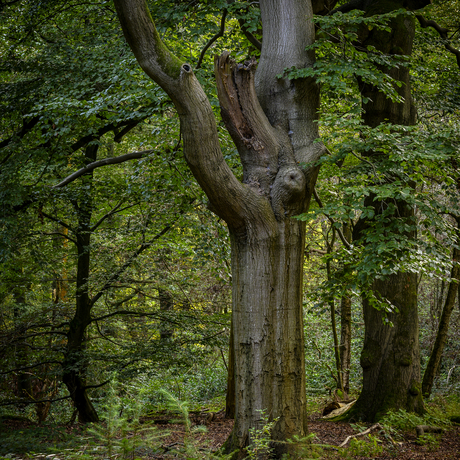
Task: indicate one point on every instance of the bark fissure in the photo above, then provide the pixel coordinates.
(267, 244)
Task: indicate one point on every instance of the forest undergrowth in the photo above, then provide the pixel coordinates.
(131, 430)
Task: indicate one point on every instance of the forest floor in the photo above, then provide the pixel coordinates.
(171, 441)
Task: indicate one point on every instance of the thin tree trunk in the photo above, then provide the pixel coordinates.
(74, 357)
(434, 362)
(21, 351)
(345, 341)
(338, 367)
(345, 327)
(166, 305)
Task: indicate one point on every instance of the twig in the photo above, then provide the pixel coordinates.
(213, 39)
(377, 425)
(342, 237)
(442, 33)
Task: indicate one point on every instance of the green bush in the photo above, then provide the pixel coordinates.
(368, 447)
(407, 421)
(430, 441)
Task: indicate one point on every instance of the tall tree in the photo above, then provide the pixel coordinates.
(391, 355)
(274, 132)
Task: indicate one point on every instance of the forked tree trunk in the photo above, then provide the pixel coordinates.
(274, 133)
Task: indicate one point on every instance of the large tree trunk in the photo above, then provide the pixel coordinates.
(390, 357)
(268, 332)
(275, 140)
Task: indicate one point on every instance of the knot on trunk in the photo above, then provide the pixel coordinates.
(266, 152)
(287, 191)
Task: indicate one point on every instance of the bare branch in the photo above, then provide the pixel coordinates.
(117, 274)
(66, 237)
(442, 33)
(253, 40)
(20, 369)
(377, 425)
(339, 231)
(59, 221)
(97, 164)
(14, 402)
(213, 39)
(126, 313)
(108, 214)
(26, 127)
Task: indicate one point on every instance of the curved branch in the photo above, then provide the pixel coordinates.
(14, 402)
(60, 222)
(202, 150)
(253, 40)
(26, 127)
(20, 369)
(97, 164)
(213, 39)
(442, 33)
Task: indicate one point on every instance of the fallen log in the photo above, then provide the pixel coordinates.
(422, 429)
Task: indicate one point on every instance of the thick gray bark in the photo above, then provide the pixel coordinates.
(267, 261)
(275, 143)
(268, 332)
(290, 104)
